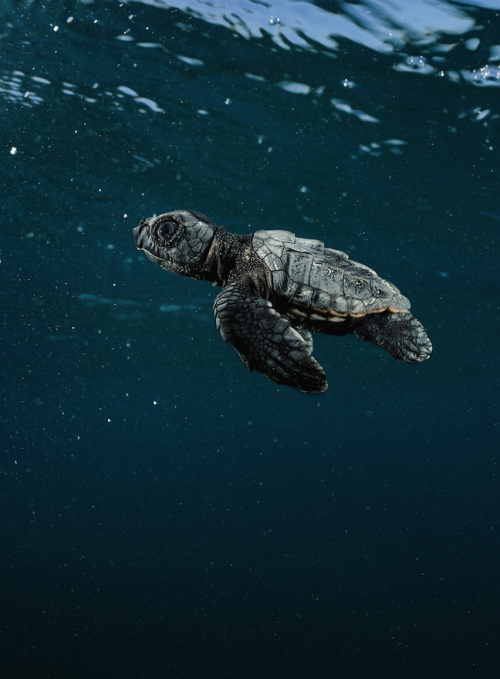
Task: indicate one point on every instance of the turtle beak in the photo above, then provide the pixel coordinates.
(143, 240)
(140, 233)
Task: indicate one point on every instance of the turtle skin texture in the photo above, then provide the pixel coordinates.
(277, 289)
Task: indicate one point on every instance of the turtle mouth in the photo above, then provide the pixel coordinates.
(153, 258)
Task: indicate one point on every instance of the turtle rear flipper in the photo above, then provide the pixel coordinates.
(265, 340)
(402, 335)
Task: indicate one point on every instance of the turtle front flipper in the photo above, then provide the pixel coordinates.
(402, 335)
(265, 340)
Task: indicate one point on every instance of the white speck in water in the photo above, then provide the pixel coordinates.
(56, 28)
(303, 189)
(13, 151)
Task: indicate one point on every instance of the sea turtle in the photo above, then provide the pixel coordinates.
(277, 289)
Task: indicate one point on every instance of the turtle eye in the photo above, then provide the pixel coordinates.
(166, 229)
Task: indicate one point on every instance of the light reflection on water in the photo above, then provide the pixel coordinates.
(363, 79)
(418, 37)
(376, 24)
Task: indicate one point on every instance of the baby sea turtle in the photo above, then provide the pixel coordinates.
(277, 289)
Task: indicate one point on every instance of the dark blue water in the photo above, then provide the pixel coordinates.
(164, 512)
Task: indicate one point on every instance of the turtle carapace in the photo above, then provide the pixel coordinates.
(277, 289)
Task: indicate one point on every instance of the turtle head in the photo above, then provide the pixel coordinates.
(178, 241)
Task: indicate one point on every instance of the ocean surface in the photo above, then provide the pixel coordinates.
(164, 512)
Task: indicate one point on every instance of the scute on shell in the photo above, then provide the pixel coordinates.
(323, 282)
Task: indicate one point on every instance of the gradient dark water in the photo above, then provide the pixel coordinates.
(164, 512)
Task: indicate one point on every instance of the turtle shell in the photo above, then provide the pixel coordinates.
(320, 283)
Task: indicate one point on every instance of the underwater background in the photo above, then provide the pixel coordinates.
(164, 512)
